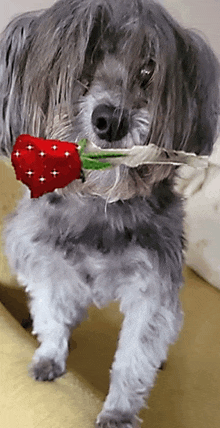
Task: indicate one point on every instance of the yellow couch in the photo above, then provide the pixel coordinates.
(187, 392)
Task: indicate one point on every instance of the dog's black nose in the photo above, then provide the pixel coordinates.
(109, 123)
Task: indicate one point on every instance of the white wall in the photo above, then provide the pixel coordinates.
(11, 8)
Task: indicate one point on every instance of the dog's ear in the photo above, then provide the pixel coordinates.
(201, 76)
(13, 45)
(186, 92)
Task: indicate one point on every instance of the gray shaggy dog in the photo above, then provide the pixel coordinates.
(120, 73)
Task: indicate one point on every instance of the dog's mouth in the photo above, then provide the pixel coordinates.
(109, 123)
(112, 126)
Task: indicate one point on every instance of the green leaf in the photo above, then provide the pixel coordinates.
(104, 155)
(91, 160)
(88, 163)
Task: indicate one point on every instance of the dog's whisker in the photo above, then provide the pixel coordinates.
(85, 86)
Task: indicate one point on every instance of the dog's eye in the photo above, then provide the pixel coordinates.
(146, 73)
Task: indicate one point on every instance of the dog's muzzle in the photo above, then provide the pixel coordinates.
(110, 123)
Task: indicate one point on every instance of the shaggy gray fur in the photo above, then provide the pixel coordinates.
(118, 72)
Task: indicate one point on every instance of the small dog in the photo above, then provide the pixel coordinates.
(119, 73)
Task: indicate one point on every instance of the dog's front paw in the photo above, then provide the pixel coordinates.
(116, 420)
(46, 369)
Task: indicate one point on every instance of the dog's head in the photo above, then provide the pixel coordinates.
(118, 72)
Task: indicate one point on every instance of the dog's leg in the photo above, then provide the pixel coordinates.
(58, 294)
(52, 323)
(50, 358)
(147, 331)
(58, 301)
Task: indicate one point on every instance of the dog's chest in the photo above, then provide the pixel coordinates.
(92, 225)
(106, 228)
(108, 246)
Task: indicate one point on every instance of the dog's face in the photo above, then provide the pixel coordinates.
(115, 111)
(119, 72)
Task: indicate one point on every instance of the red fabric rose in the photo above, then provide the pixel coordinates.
(44, 165)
